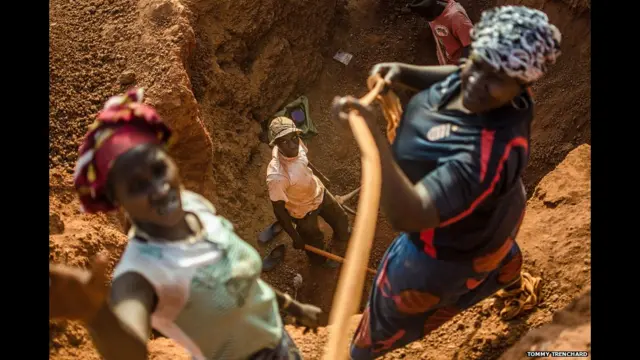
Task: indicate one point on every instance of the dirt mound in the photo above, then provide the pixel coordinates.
(213, 69)
(569, 330)
(556, 241)
(164, 349)
(100, 48)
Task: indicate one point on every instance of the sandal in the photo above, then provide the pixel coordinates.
(270, 233)
(273, 258)
(521, 299)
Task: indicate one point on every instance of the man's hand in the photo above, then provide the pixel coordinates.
(77, 294)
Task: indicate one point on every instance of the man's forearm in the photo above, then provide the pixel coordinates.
(113, 339)
(287, 224)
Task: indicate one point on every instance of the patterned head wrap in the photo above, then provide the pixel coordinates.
(517, 40)
(123, 124)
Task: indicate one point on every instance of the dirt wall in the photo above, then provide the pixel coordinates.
(214, 69)
(240, 59)
(570, 330)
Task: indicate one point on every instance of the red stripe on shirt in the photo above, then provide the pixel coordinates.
(520, 142)
(486, 144)
(427, 237)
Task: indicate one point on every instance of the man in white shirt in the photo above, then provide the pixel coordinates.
(297, 195)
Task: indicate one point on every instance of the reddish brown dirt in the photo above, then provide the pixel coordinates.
(555, 239)
(570, 329)
(360, 27)
(220, 67)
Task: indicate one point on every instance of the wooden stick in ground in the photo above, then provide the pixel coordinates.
(351, 281)
(341, 199)
(348, 209)
(331, 256)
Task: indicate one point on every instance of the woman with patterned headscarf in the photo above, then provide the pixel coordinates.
(184, 271)
(451, 182)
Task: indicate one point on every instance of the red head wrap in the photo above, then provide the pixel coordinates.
(124, 123)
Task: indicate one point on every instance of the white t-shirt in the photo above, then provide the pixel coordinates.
(210, 296)
(292, 181)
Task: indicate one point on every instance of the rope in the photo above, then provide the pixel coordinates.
(391, 109)
(522, 299)
(351, 281)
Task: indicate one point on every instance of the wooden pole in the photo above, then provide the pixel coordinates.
(351, 281)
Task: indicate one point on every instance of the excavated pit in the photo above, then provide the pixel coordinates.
(214, 69)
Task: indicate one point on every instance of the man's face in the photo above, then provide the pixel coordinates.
(289, 144)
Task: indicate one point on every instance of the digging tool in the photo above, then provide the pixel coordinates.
(341, 199)
(330, 256)
(351, 281)
(344, 198)
(275, 256)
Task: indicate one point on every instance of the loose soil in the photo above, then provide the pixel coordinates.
(215, 69)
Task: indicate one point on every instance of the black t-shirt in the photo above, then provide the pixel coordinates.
(471, 166)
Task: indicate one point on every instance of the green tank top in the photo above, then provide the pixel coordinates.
(211, 299)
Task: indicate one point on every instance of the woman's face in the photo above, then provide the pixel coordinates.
(289, 144)
(145, 182)
(484, 88)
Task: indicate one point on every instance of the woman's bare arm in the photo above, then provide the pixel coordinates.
(412, 77)
(423, 77)
(121, 329)
(408, 207)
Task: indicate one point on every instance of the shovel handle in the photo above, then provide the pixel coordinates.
(331, 256)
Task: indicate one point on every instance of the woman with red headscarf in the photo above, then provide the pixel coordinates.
(184, 272)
